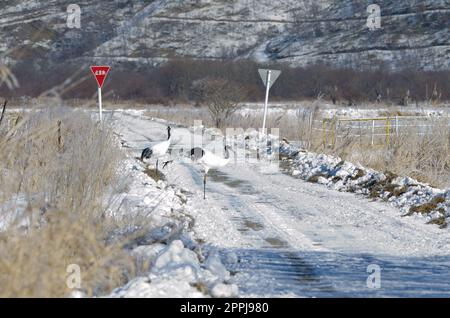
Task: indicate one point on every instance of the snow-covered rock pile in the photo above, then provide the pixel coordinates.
(176, 271)
(410, 196)
(168, 253)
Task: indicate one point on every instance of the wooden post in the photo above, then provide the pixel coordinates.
(396, 126)
(333, 130)
(388, 131)
(60, 143)
(3, 111)
(310, 132)
(373, 131)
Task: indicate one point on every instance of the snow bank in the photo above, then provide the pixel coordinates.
(177, 266)
(178, 272)
(409, 195)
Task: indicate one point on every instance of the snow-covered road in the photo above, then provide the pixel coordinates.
(281, 236)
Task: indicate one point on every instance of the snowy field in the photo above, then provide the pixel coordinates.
(328, 110)
(263, 232)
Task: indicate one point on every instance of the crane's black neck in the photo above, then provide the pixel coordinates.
(227, 153)
(168, 133)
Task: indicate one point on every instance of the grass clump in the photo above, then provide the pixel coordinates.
(440, 221)
(155, 174)
(429, 207)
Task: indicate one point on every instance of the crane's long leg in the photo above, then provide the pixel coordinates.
(204, 187)
(157, 165)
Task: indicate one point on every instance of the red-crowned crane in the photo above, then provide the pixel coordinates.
(209, 161)
(159, 150)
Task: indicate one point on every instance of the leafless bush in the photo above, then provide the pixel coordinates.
(221, 96)
(306, 117)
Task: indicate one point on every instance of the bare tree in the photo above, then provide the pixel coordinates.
(436, 95)
(221, 96)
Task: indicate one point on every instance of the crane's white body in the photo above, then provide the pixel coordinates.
(209, 161)
(160, 149)
(212, 161)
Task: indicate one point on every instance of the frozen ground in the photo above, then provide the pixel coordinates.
(326, 109)
(281, 236)
(329, 110)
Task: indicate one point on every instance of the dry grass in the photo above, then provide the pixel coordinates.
(422, 157)
(155, 174)
(58, 168)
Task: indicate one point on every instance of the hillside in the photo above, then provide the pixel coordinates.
(297, 32)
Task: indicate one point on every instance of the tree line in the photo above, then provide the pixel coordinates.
(179, 80)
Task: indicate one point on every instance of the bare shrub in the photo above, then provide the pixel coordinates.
(221, 96)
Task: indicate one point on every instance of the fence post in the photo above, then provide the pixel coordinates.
(373, 131)
(333, 128)
(311, 126)
(360, 133)
(396, 126)
(3, 111)
(60, 144)
(388, 131)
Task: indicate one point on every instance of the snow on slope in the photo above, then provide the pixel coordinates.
(298, 32)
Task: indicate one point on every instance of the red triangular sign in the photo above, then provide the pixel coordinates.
(100, 73)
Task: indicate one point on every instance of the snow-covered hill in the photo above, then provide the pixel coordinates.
(413, 33)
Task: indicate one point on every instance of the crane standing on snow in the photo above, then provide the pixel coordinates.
(159, 150)
(209, 161)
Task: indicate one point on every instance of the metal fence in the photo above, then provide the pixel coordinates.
(377, 131)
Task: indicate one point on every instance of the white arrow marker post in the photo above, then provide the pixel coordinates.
(268, 77)
(266, 104)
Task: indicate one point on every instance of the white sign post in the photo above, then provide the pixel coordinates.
(266, 103)
(268, 77)
(100, 73)
(100, 103)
